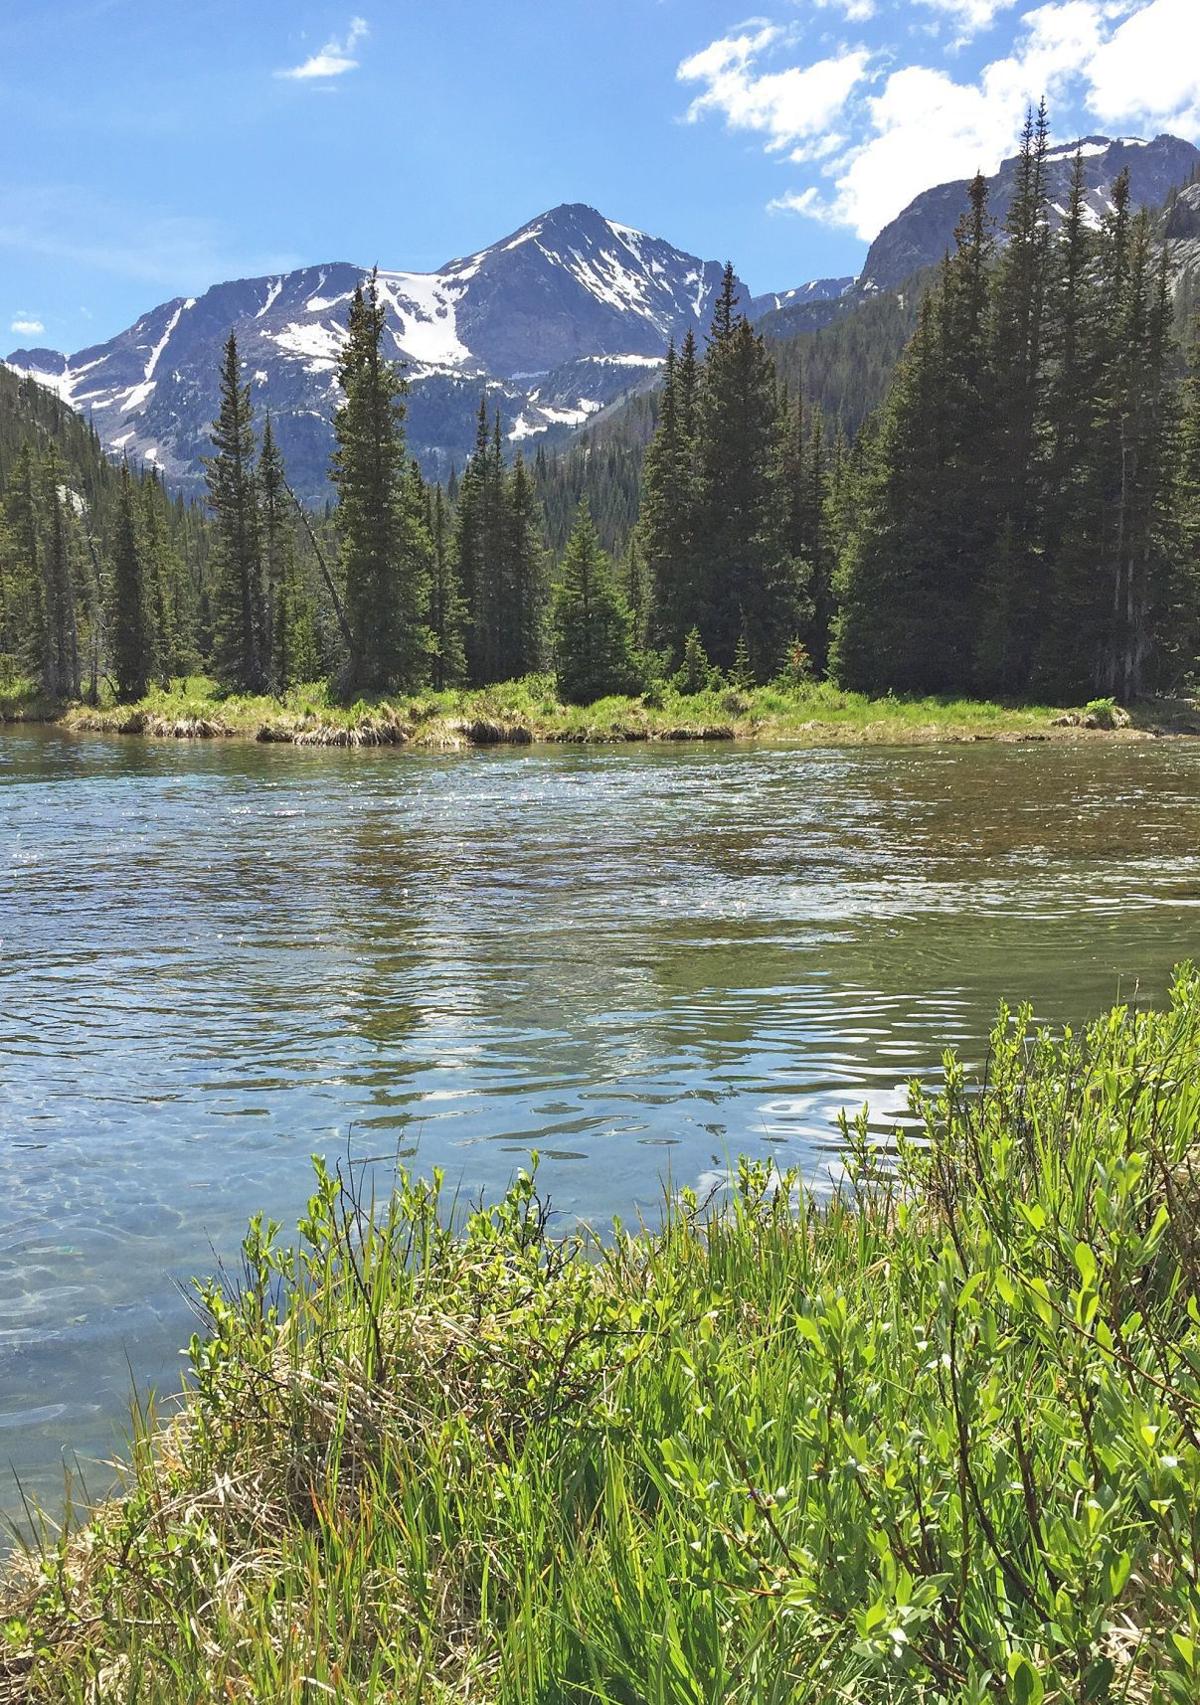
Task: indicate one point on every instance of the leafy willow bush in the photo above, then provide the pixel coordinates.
(933, 1438)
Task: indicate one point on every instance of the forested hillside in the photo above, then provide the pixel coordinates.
(1013, 510)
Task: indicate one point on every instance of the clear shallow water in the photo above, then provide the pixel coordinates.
(218, 958)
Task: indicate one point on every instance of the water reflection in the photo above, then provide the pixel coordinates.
(217, 959)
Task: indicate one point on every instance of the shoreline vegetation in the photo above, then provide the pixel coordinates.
(530, 712)
(933, 1436)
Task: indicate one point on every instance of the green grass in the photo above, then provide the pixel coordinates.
(529, 710)
(936, 1438)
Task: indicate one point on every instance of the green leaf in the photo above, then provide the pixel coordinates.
(1027, 1686)
(1118, 1573)
(1186, 1649)
(1097, 1678)
(1039, 1296)
(1086, 1262)
(969, 1289)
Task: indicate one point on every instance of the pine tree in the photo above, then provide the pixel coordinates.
(8, 610)
(966, 519)
(130, 622)
(1064, 650)
(820, 551)
(381, 549)
(725, 309)
(446, 614)
(667, 524)
(750, 583)
(163, 574)
(890, 567)
(1182, 620)
(1013, 600)
(695, 673)
(634, 586)
(237, 601)
(521, 649)
(1138, 555)
(26, 605)
(60, 634)
(910, 577)
(593, 639)
(803, 498)
(474, 524)
(278, 558)
(290, 618)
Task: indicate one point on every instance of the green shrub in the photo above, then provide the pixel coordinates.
(1103, 713)
(929, 1438)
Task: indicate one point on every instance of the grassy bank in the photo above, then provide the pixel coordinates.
(935, 1439)
(529, 711)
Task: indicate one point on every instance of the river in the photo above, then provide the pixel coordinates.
(218, 958)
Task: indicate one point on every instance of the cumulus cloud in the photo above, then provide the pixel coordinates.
(969, 16)
(27, 324)
(876, 131)
(1148, 71)
(332, 60)
(787, 107)
(924, 127)
(858, 11)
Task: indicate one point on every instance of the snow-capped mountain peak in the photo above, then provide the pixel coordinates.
(558, 318)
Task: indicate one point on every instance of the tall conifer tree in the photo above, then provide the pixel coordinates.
(524, 591)
(381, 550)
(130, 622)
(750, 583)
(593, 638)
(163, 575)
(237, 600)
(26, 602)
(446, 616)
(59, 630)
(667, 524)
(1014, 595)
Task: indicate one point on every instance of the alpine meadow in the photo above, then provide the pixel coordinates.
(600, 1062)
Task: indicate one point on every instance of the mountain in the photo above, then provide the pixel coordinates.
(556, 320)
(917, 239)
(841, 347)
(817, 290)
(920, 236)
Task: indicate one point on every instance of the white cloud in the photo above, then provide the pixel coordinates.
(1148, 71)
(334, 59)
(970, 16)
(786, 107)
(923, 127)
(26, 324)
(858, 11)
(901, 127)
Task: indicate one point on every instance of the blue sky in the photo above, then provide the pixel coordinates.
(150, 151)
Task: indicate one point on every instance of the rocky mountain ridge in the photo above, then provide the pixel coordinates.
(555, 321)
(919, 236)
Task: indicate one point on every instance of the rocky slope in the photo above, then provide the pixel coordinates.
(555, 321)
(918, 238)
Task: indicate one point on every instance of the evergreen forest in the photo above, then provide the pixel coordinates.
(1014, 514)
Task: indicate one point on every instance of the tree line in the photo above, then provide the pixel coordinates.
(1020, 516)
(1023, 518)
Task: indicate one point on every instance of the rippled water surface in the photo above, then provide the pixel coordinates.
(217, 959)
